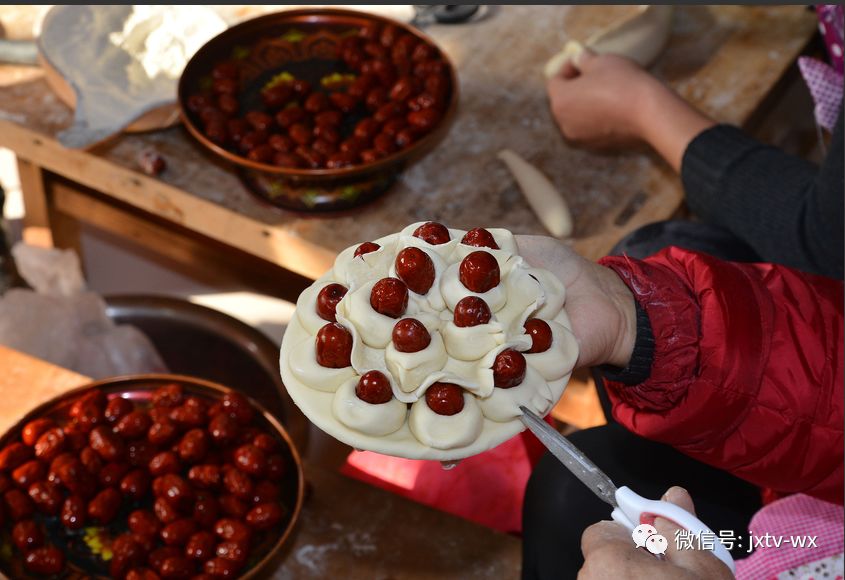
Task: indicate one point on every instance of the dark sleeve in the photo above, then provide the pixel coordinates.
(787, 209)
(639, 367)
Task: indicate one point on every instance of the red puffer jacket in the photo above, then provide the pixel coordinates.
(747, 373)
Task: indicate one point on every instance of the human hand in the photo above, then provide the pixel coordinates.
(601, 100)
(600, 306)
(608, 101)
(609, 552)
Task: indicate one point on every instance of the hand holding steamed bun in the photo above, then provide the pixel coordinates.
(430, 340)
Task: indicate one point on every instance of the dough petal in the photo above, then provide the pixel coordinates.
(560, 359)
(469, 343)
(306, 307)
(354, 272)
(525, 296)
(503, 404)
(377, 420)
(411, 369)
(304, 366)
(407, 238)
(446, 432)
(432, 300)
(453, 290)
(554, 293)
(374, 328)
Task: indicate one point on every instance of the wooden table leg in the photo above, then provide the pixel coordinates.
(66, 231)
(36, 220)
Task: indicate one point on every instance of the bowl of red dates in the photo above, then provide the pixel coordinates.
(319, 109)
(144, 477)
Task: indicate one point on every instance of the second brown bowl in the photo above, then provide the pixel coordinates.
(305, 44)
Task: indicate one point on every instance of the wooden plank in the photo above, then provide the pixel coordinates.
(78, 205)
(36, 219)
(158, 198)
(754, 48)
(26, 382)
(214, 264)
(66, 233)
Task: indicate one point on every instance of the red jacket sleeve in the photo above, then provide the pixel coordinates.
(747, 373)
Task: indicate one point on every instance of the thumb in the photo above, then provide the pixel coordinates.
(680, 497)
(702, 563)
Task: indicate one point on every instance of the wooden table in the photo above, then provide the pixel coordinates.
(347, 529)
(729, 61)
(724, 59)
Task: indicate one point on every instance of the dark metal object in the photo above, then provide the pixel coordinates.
(201, 342)
(579, 464)
(19, 52)
(82, 561)
(443, 13)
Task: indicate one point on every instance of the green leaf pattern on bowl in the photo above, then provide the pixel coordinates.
(240, 52)
(293, 35)
(310, 197)
(350, 192)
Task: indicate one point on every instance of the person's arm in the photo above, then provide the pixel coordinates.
(608, 100)
(743, 364)
(787, 209)
(746, 371)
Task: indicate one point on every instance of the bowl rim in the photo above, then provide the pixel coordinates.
(416, 147)
(129, 380)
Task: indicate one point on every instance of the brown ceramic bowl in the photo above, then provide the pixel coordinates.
(304, 42)
(84, 548)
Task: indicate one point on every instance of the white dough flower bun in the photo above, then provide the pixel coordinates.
(559, 360)
(376, 420)
(534, 393)
(304, 366)
(464, 356)
(446, 431)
